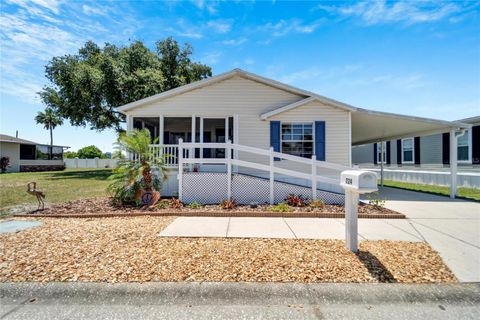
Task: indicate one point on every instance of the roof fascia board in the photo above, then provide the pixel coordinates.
(291, 106)
(402, 136)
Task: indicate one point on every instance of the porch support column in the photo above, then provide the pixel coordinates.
(192, 150)
(382, 160)
(235, 139)
(161, 128)
(453, 164)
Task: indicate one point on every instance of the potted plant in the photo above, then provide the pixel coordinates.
(140, 176)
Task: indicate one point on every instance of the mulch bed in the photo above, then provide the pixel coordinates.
(104, 207)
(130, 250)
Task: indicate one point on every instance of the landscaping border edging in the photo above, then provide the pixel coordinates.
(215, 214)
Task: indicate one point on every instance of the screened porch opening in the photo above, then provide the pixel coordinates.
(152, 124)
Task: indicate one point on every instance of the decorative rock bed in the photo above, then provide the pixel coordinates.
(130, 250)
(104, 207)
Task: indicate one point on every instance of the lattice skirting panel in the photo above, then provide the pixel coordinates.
(204, 187)
(211, 187)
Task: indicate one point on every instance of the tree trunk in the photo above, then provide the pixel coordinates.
(51, 143)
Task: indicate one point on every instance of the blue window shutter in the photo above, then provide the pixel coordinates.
(320, 140)
(275, 136)
(375, 157)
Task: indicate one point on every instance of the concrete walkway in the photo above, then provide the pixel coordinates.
(210, 300)
(289, 228)
(451, 227)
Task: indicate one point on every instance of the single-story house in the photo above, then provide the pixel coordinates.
(27, 155)
(283, 137)
(429, 151)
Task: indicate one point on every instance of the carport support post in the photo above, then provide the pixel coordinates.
(453, 164)
(382, 160)
(351, 220)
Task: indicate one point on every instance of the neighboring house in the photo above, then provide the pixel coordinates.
(428, 151)
(254, 111)
(30, 156)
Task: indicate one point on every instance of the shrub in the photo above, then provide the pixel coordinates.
(281, 207)
(195, 205)
(317, 204)
(70, 154)
(296, 201)
(163, 204)
(4, 164)
(90, 152)
(375, 200)
(228, 204)
(175, 203)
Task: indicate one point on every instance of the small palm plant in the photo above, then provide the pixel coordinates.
(140, 176)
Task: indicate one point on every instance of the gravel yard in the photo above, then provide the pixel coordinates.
(130, 250)
(104, 206)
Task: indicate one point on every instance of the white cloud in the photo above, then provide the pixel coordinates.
(31, 34)
(101, 11)
(220, 26)
(284, 27)
(211, 58)
(409, 12)
(210, 6)
(234, 42)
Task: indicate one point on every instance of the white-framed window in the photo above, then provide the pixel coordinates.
(379, 152)
(464, 151)
(297, 139)
(408, 150)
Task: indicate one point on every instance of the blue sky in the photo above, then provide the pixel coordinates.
(412, 57)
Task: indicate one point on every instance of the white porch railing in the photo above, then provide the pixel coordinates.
(168, 149)
(189, 158)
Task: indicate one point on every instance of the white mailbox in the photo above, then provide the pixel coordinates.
(359, 181)
(355, 182)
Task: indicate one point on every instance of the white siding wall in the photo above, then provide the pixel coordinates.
(248, 99)
(336, 128)
(11, 150)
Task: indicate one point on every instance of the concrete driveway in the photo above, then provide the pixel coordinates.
(451, 227)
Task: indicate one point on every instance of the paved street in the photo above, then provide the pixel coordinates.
(238, 300)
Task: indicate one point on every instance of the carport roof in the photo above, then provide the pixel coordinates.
(373, 126)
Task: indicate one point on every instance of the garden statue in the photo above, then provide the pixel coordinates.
(32, 189)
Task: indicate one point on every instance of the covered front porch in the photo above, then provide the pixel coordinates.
(166, 132)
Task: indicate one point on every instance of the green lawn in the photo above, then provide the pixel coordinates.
(59, 186)
(469, 193)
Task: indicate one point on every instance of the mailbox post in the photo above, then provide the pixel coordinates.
(355, 182)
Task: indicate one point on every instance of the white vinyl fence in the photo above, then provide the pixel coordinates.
(90, 163)
(441, 178)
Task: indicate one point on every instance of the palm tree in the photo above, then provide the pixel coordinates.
(50, 121)
(142, 171)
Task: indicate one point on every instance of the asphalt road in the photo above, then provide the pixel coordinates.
(238, 301)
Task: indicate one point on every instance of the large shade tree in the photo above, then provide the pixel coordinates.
(87, 87)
